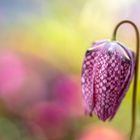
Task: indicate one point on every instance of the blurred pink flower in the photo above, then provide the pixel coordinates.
(12, 72)
(47, 119)
(20, 85)
(68, 94)
(12, 76)
(101, 133)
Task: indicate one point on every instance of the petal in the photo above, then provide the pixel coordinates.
(128, 78)
(88, 72)
(112, 73)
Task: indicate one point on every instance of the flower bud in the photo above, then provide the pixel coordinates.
(107, 72)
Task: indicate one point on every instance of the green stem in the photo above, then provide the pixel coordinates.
(133, 123)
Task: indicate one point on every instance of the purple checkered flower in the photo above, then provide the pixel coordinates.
(107, 72)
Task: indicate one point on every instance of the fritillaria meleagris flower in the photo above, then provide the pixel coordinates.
(107, 72)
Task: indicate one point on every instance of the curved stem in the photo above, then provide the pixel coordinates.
(136, 73)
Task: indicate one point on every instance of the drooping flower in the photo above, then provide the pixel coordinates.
(107, 72)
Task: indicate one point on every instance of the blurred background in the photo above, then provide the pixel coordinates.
(42, 45)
